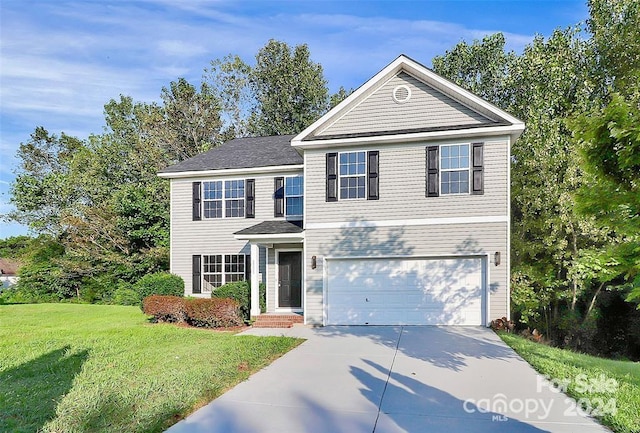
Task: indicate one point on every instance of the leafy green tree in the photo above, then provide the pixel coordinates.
(41, 189)
(289, 88)
(609, 134)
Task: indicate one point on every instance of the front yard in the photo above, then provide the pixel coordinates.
(80, 368)
(608, 389)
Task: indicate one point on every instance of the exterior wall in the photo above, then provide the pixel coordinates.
(379, 112)
(213, 236)
(402, 187)
(403, 222)
(415, 241)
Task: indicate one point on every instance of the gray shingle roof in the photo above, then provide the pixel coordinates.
(270, 228)
(248, 152)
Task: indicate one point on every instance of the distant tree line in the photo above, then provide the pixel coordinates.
(102, 217)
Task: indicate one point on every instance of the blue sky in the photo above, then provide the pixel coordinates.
(61, 61)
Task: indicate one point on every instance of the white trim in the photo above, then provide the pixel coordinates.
(513, 130)
(484, 256)
(254, 280)
(487, 289)
(410, 222)
(278, 309)
(450, 170)
(325, 284)
(224, 199)
(273, 238)
(232, 171)
(508, 248)
(403, 63)
(364, 175)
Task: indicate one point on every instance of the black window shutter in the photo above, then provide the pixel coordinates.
(278, 197)
(432, 172)
(251, 199)
(247, 267)
(332, 177)
(477, 169)
(196, 282)
(197, 212)
(372, 175)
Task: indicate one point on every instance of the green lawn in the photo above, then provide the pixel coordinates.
(584, 375)
(80, 368)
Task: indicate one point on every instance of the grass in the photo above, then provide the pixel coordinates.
(583, 373)
(80, 368)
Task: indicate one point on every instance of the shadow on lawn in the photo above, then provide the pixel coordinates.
(30, 392)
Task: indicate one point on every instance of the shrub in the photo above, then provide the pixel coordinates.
(160, 283)
(126, 296)
(213, 313)
(165, 308)
(240, 291)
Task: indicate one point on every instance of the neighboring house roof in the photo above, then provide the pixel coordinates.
(248, 152)
(8, 267)
(270, 228)
(407, 101)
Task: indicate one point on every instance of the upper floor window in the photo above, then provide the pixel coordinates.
(294, 195)
(223, 198)
(353, 174)
(454, 167)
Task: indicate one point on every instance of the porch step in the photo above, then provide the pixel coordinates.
(277, 320)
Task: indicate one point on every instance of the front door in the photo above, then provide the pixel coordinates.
(290, 279)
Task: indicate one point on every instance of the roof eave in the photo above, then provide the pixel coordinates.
(514, 131)
(232, 171)
(271, 238)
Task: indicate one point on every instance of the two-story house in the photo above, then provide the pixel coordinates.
(392, 208)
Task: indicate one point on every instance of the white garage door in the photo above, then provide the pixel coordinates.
(446, 291)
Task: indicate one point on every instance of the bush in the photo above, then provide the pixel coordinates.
(160, 283)
(165, 308)
(126, 296)
(240, 291)
(213, 313)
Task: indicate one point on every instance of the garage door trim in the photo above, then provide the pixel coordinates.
(486, 313)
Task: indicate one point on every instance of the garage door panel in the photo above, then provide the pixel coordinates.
(405, 291)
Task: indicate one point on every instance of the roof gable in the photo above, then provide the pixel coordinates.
(406, 98)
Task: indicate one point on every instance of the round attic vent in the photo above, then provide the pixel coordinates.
(401, 94)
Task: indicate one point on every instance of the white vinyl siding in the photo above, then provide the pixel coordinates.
(427, 107)
(402, 184)
(213, 235)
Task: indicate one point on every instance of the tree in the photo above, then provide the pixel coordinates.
(609, 133)
(289, 88)
(41, 189)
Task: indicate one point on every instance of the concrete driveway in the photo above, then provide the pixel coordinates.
(392, 379)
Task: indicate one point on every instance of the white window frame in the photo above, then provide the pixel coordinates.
(363, 175)
(223, 201)
(301, 196)
(225, 260)
(449, 170)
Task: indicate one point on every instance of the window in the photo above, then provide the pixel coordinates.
(234, 198)
(353, 174)
(212, 199)
(219, 269)
(227, 197)
(454, 169)
(294, 195)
